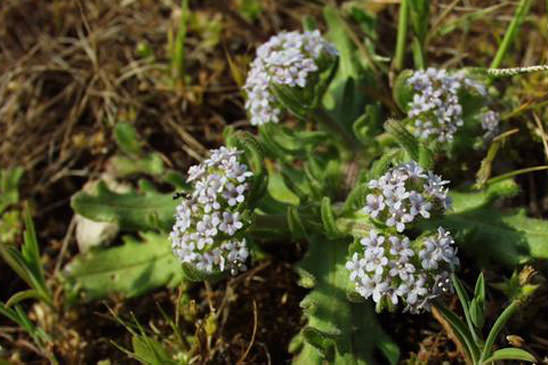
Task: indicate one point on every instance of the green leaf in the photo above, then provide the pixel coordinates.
(149, 351)
(402, 91)
(295, 224)
(131, 211)
(492, 236)
(31, 252)
(368, 124)
(510, 353)
(415, 150)
(328, 219)
(10, 226)
(131, 269)
(420, 10)
(501, 321)
(22, 295)
(323, 342)
(467, 201)
(348, 333)
(18, 316)
(461, 332)
(191, 273)
(151, 164)
(465, 304)
(477, 305)
(9, 186)
(127, 139)
(337, 34)
(26, 263)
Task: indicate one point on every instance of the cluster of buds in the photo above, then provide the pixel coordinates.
(435, 108)
(490, 124)
(287, 59)
(387, 265)
(210, 220)
(404, 194)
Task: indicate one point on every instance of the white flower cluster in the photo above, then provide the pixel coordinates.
(390, 267)
(208, 219)
(286, 59)
(490, 124)
(404, 194)
(435, 106)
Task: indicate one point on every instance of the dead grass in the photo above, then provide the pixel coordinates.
(70, 70)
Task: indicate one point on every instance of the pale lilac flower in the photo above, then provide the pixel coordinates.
(404, 194)
(490, 123)
(374, 240)
(230, 223)
(219, 186)
(435, 107)
(287, 58)
(356, 267)
(375, 204)
(391, 269)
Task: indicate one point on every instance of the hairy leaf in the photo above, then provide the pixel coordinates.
(337, 330)
(9, 184)
(491, 235)
(131, 211)
(150, 164)
(149, 351)
(131, 269)
(510, 353)
(127, 139)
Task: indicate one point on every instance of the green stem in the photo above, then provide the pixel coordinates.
(402, 35)
(497, 327)
(521, 11)
(515, 173)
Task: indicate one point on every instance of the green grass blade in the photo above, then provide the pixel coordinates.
(402, 35)
(497, 327)
(521, 11)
